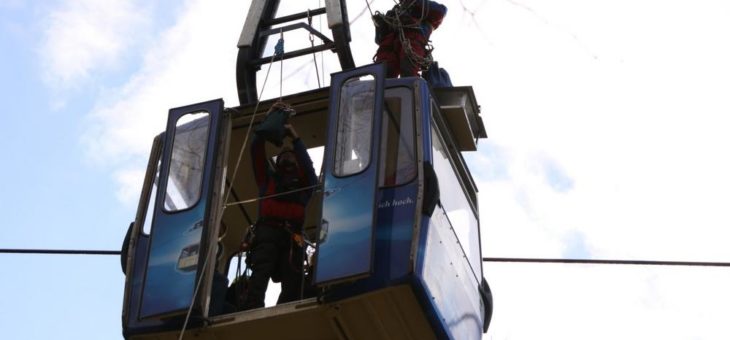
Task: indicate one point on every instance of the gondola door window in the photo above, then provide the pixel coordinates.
(188, 156)
(354, 127)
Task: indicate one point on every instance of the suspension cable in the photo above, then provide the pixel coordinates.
(60, 251)
(485, 259)
(620, 262)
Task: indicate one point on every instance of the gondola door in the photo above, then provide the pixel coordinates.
(180, 233)
(345, 247)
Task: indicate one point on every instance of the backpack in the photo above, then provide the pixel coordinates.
(437, 76)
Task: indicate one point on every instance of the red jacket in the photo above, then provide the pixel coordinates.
(289, 207)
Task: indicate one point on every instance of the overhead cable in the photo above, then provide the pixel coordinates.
(60, 251)
(619, 262)
(485, 259)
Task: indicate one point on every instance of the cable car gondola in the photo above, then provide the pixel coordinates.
(393, 223)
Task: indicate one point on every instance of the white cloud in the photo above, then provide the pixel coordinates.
(193, 61)
(129, 185)
(630, 105)
(85, 36)
(631, 112)
(537, 301)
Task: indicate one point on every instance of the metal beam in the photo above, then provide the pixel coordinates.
(298, 16)
(293, 27)
(293, 54)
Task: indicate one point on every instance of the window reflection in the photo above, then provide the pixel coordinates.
(188, 156)
(398, 162)
(354, 126)
(455, 203)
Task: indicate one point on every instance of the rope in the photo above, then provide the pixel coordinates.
(192, 303)
(248, 131)
(235, 170)
(279, 50)
(238, 275)
(321, 53)
(314, 55)
(241, 278)
(251, 200)
(395, 22)
(362, 12)
(369, 9)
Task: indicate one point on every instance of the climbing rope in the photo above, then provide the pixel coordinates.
(314, 55)
(321, 53)
(192, 303)
(251, 200)
(248, 130)
(279, 48)
(367, 3)
(279, 51)
(395, 22)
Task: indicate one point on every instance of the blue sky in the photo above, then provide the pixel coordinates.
(54, 196)
(607, 125)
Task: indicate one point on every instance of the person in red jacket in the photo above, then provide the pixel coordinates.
(403, 33)
(285, 191)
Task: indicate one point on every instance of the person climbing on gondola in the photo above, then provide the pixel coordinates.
(403, 33)
(285, 192)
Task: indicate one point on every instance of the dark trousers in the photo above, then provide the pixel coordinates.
(274, 256)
